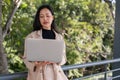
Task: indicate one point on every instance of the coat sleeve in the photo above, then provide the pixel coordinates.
(64, 59)
(28, 64)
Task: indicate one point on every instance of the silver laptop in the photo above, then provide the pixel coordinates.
(44, 50)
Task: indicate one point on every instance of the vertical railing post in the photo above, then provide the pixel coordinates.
(105, 75)
(116, 48)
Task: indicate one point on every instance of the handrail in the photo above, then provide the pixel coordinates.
(13, 76)
(65, 68)
(75, 66)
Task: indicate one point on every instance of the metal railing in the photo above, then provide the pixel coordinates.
(70, 67)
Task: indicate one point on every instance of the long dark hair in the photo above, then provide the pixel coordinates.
(37, 25)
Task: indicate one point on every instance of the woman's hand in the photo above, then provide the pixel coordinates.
(42, 63)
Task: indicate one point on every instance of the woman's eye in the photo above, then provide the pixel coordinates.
(48, 16)
(41, 16)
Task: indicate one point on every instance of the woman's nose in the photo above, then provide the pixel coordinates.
(45, 18)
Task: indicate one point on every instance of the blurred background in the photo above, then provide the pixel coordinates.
(87, 27)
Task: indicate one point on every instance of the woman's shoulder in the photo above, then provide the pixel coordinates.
(32, 34)
(59, 35)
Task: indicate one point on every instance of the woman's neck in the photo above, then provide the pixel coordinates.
(46, 28)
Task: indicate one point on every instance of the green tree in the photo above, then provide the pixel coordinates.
(3, 32)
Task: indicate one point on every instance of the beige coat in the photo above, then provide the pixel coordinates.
(48, 72)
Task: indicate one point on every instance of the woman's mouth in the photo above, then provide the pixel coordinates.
(45, 22)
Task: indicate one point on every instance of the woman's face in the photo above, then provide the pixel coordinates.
(46, 18)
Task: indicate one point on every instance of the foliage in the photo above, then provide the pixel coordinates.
(87, 26)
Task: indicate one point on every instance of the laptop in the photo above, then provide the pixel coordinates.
(44, 50)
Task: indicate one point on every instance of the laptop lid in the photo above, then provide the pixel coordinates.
(44, 50)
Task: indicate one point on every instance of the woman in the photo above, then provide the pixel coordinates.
(44, 28)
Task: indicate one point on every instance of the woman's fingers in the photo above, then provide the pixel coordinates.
(43, 63)
(23, 57)
(47, 62)
(37, 63)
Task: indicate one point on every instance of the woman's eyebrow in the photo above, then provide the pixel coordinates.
(41, 14)
(45, 13)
